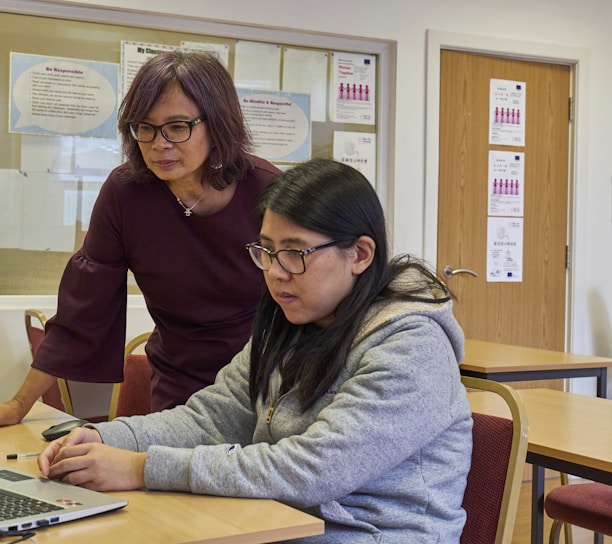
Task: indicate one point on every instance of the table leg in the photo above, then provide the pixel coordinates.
(602, 383)
(537, 505)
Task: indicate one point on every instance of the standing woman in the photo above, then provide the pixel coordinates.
(347, 403)
(177, 214)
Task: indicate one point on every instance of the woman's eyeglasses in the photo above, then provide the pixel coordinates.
(174, 131)
(291, 260)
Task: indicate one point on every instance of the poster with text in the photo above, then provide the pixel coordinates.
(507, 112)
(357, 149)
(505, 249)
(353, 88)
(134, 55)
(61, 96)
(279, 123)
(506, 183)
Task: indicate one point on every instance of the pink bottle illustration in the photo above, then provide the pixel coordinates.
(341, 91)
(495, 186)
(367, 93)
(497, 115)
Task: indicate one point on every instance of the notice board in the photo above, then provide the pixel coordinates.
(67, 73)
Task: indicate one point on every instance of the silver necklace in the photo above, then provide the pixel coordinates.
(188, 211)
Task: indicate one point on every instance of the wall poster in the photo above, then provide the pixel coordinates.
(506, 183)
(505, 249)
(507, 112)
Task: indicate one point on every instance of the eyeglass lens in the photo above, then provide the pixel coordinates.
(290, 259)
(175, 131)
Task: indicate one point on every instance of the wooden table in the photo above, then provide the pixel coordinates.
(159, 517)
(567, 432)
(506, 363)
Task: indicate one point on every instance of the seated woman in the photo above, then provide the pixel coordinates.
(346, 402)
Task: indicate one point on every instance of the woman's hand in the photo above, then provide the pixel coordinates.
(76, 436)
(80, 458)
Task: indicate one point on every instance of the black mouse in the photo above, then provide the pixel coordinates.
(61, 429)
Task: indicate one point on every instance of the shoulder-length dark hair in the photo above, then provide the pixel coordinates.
(205, 81)
(336, 200)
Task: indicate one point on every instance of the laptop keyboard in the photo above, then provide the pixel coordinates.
(13, 505)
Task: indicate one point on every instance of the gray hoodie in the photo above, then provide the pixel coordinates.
(382, 457)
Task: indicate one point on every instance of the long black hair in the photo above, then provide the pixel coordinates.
(333, 199)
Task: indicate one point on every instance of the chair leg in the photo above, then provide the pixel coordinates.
(598, 538)
(555, 532)
(567, 530)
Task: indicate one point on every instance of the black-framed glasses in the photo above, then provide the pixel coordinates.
(174, 131)
(291, 260)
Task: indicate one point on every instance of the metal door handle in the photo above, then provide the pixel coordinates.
(449, 271)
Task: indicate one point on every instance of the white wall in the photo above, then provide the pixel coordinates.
(576, 24)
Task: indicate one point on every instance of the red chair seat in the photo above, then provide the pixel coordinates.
(586, 505)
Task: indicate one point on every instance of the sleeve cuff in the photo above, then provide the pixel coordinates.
(168, 468)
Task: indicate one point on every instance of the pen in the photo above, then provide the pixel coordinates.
(20, 455)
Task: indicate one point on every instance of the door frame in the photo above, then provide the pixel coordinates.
(578, 59)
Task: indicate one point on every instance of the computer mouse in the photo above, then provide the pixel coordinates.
(61, 429)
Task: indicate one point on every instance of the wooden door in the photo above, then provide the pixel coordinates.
(531, 312)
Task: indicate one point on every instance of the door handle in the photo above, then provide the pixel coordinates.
(449, 271)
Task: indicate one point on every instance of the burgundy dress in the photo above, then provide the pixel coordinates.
(199, 283)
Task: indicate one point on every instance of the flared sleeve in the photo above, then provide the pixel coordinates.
(85, 340)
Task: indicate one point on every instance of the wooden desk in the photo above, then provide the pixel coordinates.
(159, 517)
(567, 432)
(506, 363)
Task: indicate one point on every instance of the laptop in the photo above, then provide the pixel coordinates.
(30, 502)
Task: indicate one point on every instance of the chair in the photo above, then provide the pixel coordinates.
(498, 458)
(58, 395)
(133, 395)
(587, 505)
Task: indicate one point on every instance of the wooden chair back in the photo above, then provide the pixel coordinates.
(498, 458)
(58, 395)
